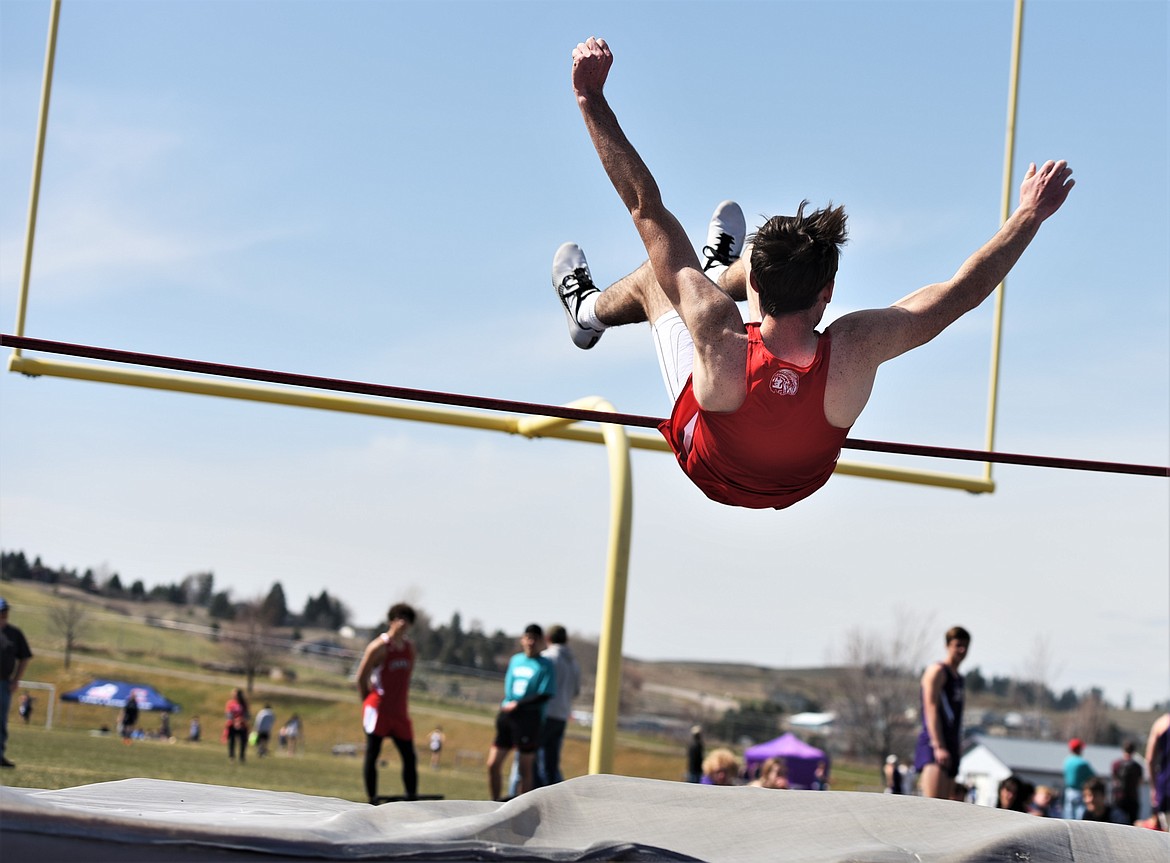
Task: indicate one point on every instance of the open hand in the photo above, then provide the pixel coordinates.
(591, 61)
(1046, 189)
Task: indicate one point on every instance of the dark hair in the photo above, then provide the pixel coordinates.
(957, 633)
(795, 257)
(534, 630)
(401, 611)
(557, 634)
(1021, 788)
(1095, 785)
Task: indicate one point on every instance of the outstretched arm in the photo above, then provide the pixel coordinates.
(919, 317)
(711, 317)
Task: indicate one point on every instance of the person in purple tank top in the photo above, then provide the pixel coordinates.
(936, 756)
(1158, 763)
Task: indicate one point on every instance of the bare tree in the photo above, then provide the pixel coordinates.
(248, 641)
(69, 622)
(1039, 670)
(878, 696)
(1090, 721)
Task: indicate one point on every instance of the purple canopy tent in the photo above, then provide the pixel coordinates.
(801, 758)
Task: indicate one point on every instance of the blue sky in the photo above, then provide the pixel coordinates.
(374, 191)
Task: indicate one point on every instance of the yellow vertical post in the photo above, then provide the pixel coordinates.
(1005, 212)
(608, 687)
(38, 160)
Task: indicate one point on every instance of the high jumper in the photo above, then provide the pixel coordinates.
(762, 409)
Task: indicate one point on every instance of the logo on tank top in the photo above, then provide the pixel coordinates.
(785, 382)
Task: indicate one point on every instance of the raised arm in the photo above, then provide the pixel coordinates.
(711, 317)
(916, 319)
(665, 241)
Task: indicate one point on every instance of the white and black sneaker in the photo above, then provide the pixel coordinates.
(725, 237)
(572, 282)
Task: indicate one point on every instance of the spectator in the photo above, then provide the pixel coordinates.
(820, 777)
(235, 727)
(560, 706)
(721, 767)
(26, 707)
(1077, 772)
(438, 738)
(894, 774)
(529, 683)
(1043, 802)
(1158, 763)
(291, 734)
(14, 659)
(1127, 782)
(164, 726)
(128, 718)
(695, 754)
(265, 720)
(1097, 806)
(194, 730)
(1014, 794)
(773, 773)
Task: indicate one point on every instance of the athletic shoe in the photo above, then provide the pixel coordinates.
(572, 282)
(4, 762)
(725, 236)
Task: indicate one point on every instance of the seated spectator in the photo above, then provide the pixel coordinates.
(1097, 805)
(1043, 801)
(720, 767)
(1014, 794)
(773, 774)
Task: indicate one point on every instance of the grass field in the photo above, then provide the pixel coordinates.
(73, 754)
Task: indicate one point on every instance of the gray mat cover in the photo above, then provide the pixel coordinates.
(589, 818)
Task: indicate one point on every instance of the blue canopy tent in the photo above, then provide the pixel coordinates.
(801, 758)
(115, 693)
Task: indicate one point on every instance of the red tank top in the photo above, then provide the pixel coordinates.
(776, 449)
(393, 678)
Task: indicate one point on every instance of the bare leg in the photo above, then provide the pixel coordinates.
(633, 299)
(494, 767)
(637, 298)
(935, 783)
(527, 764)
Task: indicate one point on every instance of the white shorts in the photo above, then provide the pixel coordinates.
(676, 352)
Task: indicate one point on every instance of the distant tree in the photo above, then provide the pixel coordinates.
(88, 582)
(14, 567)
(113, 586)
(69, 622)
(758, 721)
(974, 682)
(1090, 721)
(274, 608)
(326, 612)
(221, 607)
(248, 641)
(138, 591)
(878, 697)
(198, 588)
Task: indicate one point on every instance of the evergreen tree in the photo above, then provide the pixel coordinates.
(274, 609)
(221, 607)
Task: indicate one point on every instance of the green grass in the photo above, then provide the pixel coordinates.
(67, 758)
(173, 662)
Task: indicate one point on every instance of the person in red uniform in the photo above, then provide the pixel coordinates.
(761, 410)
(383, 681)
